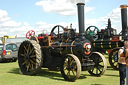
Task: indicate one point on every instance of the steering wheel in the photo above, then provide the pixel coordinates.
(56, 30)
(30, 33)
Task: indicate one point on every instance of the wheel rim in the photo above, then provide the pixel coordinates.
(100, 64)
(71, 67)
(112, 56)
(28, 58)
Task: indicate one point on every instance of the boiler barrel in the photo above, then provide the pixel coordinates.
(78, 48)
(106, 44)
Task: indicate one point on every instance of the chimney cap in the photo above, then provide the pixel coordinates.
(123, 6)
(80, 3)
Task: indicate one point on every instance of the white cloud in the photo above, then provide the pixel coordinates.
(26, 24)
(2, 19)
(3, 16)
(11, 24)
(41, 26)
(3, 13)
(63, 7)
(3, 33)
(77, 1)
(10, 27)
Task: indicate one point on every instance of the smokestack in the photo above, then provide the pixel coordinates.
(80, 7)
(124, 20)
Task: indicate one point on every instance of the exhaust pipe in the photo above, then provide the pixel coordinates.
(124, 21)
(80, 7)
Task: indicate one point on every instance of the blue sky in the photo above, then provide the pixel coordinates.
(19, 16)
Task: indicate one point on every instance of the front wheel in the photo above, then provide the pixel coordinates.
(100, 64)
(70, 67)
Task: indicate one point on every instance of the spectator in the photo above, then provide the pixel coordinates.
(122, 63)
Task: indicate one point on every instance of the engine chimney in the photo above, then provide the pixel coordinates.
(124, 20)
(80, 7)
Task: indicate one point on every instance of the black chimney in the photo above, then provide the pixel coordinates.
(124, 20)
(80, 7)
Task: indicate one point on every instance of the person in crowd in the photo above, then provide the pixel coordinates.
(122, 62)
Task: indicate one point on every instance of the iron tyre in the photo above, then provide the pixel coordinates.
(30, 57)
(70, 67)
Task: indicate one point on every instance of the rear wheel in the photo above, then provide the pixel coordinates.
(70, 67)
(30, 57)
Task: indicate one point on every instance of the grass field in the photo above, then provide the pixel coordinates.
(9, 75)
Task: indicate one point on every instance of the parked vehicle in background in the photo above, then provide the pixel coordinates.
(3, 39)
(17, 40)
(8, 52)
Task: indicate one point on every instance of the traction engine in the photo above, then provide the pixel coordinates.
(107, 39)
(64, 51)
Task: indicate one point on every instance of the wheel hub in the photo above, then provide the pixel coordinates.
(27, 57)
(69, 67)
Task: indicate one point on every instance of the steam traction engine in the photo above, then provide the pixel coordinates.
(65, 51)
(107, 39)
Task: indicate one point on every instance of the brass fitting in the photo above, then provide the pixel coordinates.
(123, 6)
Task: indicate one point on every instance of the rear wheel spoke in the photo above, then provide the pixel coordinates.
(32, 56)
(31, 51)
(32, 62)
(25, 62)
(26, 49)
(28, 65)
(29, 47)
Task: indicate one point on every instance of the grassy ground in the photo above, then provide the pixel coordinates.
(9, 75)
